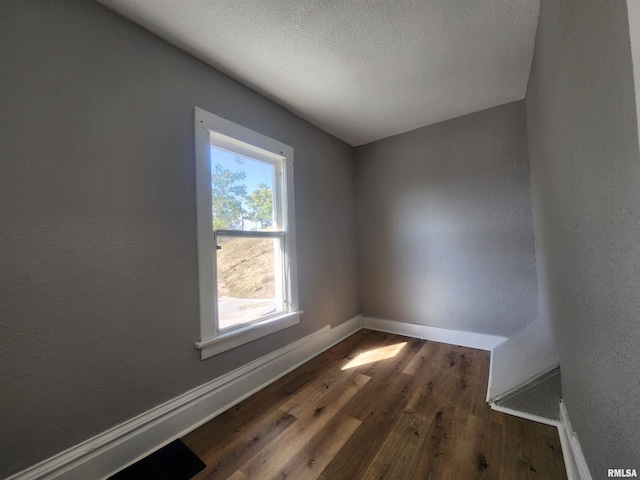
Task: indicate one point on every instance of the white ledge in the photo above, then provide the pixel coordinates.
(226, 341)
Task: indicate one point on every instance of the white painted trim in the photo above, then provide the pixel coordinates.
(251, 332)
(443, 335)
(525, 415)
(569, 463)
(240, 133)
(574, 460)
(120, 446)
(206, 258)
(345, 330)
(490, 381)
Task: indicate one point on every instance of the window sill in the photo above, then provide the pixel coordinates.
(235, 338)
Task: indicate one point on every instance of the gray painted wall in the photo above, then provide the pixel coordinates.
(445, 235)
(98, 265)
(585, 176)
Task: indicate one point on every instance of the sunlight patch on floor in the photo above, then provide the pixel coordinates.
(375, 355)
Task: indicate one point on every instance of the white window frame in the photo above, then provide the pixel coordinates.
(211, 130)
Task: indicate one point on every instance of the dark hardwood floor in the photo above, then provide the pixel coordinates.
(378, 406)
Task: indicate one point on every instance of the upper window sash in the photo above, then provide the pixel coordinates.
(279, 163)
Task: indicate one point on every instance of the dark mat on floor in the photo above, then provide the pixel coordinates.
(172, 462)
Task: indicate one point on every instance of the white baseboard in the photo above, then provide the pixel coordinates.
(118, 447)
(525, 415)
(574, 460)
(443, 335)
(490, 381)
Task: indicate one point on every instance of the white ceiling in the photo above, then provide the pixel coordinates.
(359, 69)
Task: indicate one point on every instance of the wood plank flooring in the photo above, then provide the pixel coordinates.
(378, 406)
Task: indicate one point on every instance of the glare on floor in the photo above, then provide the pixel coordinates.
(375, 355)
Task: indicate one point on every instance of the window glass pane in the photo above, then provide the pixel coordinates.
(243, 192)
(250, 280)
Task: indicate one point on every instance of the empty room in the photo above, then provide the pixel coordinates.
(309, 239)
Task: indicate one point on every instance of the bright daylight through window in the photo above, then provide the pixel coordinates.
(246, 234)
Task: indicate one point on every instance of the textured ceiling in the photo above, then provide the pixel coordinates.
(359, 69)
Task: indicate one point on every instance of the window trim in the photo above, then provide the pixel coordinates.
(211, 342)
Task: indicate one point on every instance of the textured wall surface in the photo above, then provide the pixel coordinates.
(360, 69)
(445, 234)
(98, 264)
(585, 176)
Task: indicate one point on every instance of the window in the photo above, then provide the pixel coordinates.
(246, 234)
